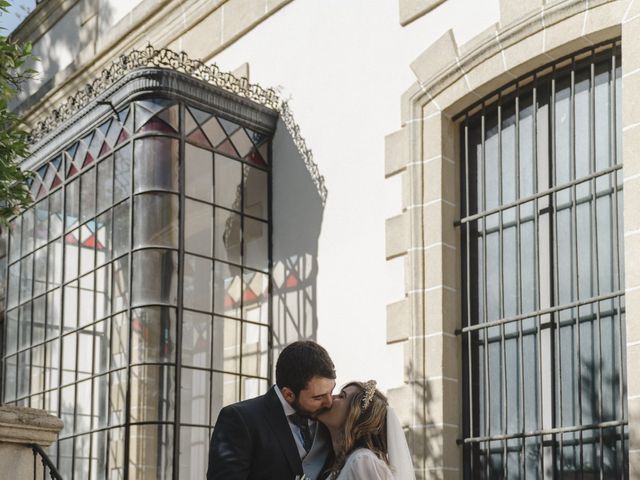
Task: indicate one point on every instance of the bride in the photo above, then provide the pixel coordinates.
(367, 438)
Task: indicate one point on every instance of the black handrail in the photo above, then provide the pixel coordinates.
(46, 462)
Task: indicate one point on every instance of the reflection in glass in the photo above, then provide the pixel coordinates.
(68, 358)
(71, 253)
(54, 267)
(194, 396)
(24, 359)
(196, 339)
(40, 271)
(11, 335)
(120, 279)
(155, 277)
(117, 397)
(156, 164)
(228, 184)
(227, 294)
(103, 291)
(122, 173)
(256, 188)
(87, 195)
(52, 371)
(194, 446)
(151, 453)
(225, 389)
(152, 393)
(121, 239)
(105, 184)
(24, 326)
(72, 203)
(56, 214)
(119, 340)
(28, 221)
(15, 235)
(255, 350)
(198, 173)
(53, 313)
(198, 283)
(256, 244)
(198, 228)
(70, 309)
(153, 333)
(156, 220)
(226, 344)
(228, 234)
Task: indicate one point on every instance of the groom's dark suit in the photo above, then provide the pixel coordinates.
(252, 440)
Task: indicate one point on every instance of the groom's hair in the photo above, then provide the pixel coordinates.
(299, 362)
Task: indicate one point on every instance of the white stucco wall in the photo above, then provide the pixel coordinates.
(344, 65)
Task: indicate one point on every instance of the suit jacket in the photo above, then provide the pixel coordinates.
(252, 440)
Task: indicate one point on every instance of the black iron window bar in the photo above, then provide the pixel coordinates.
(539, 450)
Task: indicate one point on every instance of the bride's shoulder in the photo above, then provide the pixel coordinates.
(364, 461)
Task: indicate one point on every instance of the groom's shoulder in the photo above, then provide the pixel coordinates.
(250, 406)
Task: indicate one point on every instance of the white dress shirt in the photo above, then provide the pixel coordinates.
(295, 430)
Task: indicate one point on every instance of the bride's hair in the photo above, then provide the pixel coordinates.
(364, 428)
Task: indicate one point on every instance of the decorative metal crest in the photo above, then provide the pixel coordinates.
(168, 59)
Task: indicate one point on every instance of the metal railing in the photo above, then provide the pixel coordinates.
(47, 464)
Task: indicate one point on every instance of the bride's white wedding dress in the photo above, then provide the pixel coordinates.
(363, 464)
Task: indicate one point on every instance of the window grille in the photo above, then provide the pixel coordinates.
(543, 326)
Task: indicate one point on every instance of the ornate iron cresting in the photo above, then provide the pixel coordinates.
(47, 464)
(168, 59)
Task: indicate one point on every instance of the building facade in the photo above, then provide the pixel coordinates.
(187, 223)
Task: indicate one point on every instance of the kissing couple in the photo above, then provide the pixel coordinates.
(300, 430)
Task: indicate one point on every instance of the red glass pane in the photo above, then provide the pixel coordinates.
(105, 149)
(124, 136)
(88, 160)
(255, 158)
(157, 125)
(198, 138)
(70, 239)
(227, 148)
(56, 182)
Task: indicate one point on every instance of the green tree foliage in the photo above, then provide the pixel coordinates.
(14, 194)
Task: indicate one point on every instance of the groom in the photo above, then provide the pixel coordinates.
(276, 436)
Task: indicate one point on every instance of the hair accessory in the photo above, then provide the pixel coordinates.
(369, 391)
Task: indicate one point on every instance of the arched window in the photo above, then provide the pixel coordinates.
(542, 274)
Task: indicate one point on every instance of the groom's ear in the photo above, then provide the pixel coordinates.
(288, 395)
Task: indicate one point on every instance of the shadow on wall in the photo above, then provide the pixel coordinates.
(425, 442)
(59, 48)
(297, 211)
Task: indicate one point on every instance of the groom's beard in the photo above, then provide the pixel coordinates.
(306, 413)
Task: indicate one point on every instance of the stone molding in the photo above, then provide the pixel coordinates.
(27, 425)
(450, 78)
(42, 19)
(411, 10)
(455, 63)
(152, 21)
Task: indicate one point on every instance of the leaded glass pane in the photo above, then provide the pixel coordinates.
(228, 184)
(156, 164)
(156, 220)
(153, 335)
(155, 277)
(92, 307)
(198, 173)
